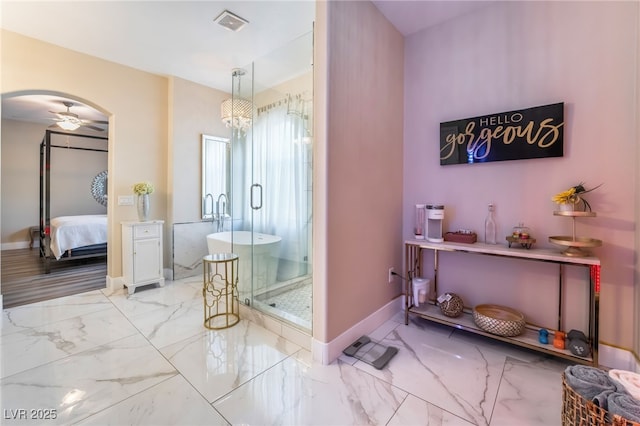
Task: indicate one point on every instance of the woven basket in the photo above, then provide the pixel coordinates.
(577, 411)
(453, 306)
(499, 320)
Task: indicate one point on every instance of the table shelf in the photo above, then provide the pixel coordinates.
(529, 338)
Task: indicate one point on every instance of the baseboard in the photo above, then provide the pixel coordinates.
(614, 357)
(167, 273)
(326, 353)
(18, 245)
(114, 284)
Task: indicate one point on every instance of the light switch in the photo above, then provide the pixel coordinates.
(125, 200)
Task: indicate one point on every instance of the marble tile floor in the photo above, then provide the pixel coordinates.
(113, 359)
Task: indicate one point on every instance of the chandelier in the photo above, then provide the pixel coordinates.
(237, 112)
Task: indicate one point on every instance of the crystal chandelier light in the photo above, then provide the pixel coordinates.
(237, 112)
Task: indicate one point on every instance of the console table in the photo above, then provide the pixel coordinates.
(529, 339)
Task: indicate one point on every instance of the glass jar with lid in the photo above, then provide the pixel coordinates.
(521, 232)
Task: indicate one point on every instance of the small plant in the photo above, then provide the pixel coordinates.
(142, 188)
(573, 195)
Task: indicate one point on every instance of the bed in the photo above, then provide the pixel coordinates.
(77, 233)
(75, 236)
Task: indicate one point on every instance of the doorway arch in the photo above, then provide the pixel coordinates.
(36, 109)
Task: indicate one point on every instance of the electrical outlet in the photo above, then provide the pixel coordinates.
(391, 272)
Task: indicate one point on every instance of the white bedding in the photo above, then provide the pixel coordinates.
(69, 232)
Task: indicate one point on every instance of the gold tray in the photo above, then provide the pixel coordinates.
(574, 213)
(524, 242)
(575, 244)
(499, 320)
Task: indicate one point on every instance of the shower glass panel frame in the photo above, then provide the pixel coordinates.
(272, 182)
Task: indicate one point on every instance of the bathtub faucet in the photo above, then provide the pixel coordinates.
(220, 214)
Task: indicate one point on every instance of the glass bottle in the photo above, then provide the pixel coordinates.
(490, 227)
(418, 230)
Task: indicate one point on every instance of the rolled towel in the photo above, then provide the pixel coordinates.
(623, 404)
(629, 380)
(591, 383)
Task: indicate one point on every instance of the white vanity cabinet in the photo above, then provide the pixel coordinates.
(142, 254)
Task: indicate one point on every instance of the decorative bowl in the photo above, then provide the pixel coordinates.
(499, 320)
(451, 304)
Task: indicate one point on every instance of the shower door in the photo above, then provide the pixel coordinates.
(277, 180)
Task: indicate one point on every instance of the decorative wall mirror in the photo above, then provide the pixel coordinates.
(99, 188)
(216, 169)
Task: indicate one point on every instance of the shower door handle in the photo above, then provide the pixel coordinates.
(253, 188)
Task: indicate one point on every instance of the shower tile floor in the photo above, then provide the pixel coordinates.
(293, 299)
(98, 358)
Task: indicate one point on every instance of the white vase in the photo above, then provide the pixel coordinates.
(568, 207)
(143, 207)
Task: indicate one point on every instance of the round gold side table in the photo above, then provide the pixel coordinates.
(220, 290)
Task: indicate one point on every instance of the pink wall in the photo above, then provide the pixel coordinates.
(516, 55)
(363, 164)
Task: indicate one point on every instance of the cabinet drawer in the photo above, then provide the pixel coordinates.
(146, 231)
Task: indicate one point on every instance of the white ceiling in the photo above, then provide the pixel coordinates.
(180, 38)
(411, 16)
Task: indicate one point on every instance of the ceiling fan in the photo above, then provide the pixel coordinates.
(69, 121)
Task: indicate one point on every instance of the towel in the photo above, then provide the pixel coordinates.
(591, 383)
(623, 404)
(629, 380)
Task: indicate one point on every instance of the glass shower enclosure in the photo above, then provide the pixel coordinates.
(271, 196)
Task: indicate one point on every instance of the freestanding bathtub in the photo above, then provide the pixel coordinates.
(266, 251)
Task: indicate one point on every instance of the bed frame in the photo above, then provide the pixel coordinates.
(97, 250)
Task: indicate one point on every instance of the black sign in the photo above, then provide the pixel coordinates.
(528, 133)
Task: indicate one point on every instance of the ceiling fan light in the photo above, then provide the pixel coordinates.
(68, 125)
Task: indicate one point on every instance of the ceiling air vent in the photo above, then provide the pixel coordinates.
(230, 21)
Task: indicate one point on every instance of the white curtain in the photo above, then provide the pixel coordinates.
(281, 164)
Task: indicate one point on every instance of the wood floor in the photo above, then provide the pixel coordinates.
(23, 279)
